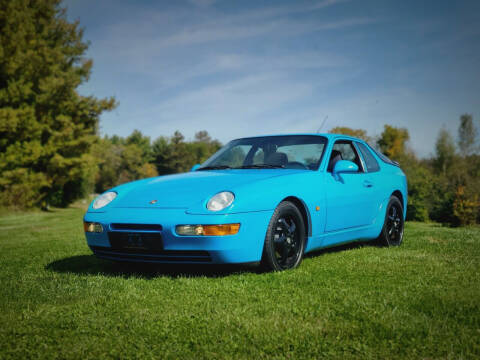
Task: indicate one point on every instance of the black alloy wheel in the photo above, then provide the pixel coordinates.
(285, 238)
(392, 232)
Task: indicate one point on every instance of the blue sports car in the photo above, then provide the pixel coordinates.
(267, 199)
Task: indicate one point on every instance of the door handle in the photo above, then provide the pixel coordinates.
(367, 183)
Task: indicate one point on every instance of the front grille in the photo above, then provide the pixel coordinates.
(193, 256)
(144, 227)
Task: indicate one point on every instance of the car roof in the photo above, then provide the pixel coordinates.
(329, 136)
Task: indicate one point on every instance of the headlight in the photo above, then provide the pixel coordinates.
(104, 199)
(220, 201)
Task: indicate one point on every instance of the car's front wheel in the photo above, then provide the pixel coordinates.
(392, 231)
(285, 239)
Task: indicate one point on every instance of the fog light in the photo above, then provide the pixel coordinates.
(207, 230)
(92, 227)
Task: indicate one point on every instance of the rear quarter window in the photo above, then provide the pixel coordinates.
(370, 162)
(383, 157)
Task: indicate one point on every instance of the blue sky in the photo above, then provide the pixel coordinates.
(241, 68)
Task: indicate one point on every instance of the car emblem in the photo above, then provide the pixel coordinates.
(153, 202)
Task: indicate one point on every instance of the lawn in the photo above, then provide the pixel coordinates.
(421, 300)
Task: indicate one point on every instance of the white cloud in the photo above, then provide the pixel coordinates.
(159, 31)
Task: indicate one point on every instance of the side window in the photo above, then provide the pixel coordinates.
(370, 162)
(305, 154)
(344, 150)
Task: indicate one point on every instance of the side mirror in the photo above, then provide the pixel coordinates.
(195, 167)
(345, 166)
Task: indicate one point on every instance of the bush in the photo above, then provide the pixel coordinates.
(465, 207)
(21, 188)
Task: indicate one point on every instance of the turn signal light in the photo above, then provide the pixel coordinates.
(207, 230)
(92, 227)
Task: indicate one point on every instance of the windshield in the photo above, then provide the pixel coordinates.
(290, 152)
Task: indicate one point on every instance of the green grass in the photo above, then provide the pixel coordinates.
(421, 300)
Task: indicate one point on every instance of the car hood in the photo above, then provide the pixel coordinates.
(183, 190)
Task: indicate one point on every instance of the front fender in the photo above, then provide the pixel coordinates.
(265, 195)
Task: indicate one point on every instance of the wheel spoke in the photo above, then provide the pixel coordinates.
(296, 244)
(284, 257)
(292, 228)
(280, 239)
(283, 224)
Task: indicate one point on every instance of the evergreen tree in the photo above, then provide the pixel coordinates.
(181, 159)
(46, 127)
(203, 147)
(162, 154)
(143, 142)
(174, 154)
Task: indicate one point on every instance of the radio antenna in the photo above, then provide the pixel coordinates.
(323, 123)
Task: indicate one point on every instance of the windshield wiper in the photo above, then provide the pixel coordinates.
(216, 167)
(261, 166)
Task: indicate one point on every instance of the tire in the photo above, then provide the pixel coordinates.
(392, 231)
(285, 239)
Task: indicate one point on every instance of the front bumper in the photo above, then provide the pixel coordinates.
(245, 246)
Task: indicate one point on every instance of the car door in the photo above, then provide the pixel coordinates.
(379, 190)
(348, 196)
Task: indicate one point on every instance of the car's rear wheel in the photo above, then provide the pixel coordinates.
(285, 239)
(392, 231)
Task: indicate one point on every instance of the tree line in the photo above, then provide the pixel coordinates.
(120, 160)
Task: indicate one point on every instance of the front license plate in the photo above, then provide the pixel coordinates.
(135, 241)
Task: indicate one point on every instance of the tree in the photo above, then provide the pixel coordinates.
(419, 189)
(467, 134)
(134, 165)
(181, 159)
(445, 152)
(465, 207)
(174, 154)
(203, 147)
(393, 142)
(358, 133)
(109, 161)
(143, 142)
(47, 128)
(121, 160)
(203, 136)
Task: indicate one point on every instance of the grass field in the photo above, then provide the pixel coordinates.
(421, 300)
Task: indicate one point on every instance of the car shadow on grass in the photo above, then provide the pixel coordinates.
(91, 265)
(340, 248)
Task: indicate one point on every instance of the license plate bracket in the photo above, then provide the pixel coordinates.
(135, 241)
